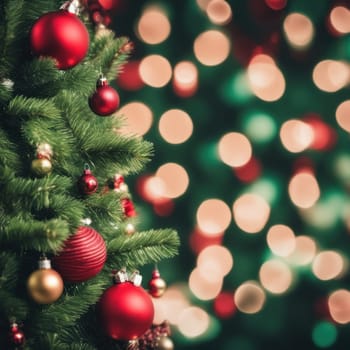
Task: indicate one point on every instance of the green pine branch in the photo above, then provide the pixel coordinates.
(143, 248)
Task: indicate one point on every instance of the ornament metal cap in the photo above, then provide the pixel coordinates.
(72, 6)
(121, 276)
(136, 278)
(44, 263)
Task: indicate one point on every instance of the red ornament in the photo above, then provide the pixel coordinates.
(126, 311)
(62, 36)
(156, 285)
(87, 182)
(105, 100)
(16, 336)
(128, 207)
(83, 256)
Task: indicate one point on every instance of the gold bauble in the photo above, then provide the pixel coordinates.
(41, 166)
(164, 343)
(45, 286)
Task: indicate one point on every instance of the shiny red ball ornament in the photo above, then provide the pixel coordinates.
(87, 182)
(62, 36)
(128, 207)
(105, 100)
(82, 257)
(126, 311)
(16, 336)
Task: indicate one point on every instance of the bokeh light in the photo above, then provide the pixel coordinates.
(155, 70)
(193, 322)
(224, 306)
(299, 30)
(234, 149)
(304, 252)
(328, 265)
(153, 26)
(185, 79)
(342, 115)
(213, 216)
(139, 118)
(215, 261)
(265, 78)
(219, 12)
(211, 47)
(339, 18)
(251, 212)
(339, 306)
(296, 135)
(249, 297)
(331, 75)
(324, 334)
(275, 276)
(303, 190)
(205, 286)
(276, 4)
(281, 240)
(175, 179)
(175, 126)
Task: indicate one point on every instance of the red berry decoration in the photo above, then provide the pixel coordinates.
(125, 309)
(62, 36)
(16, 336)
(128, 207)
(83, 256)
(87, 182)
(105, 100)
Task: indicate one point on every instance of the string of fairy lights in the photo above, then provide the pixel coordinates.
(262, 78)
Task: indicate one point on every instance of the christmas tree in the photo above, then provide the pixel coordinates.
(70, 247)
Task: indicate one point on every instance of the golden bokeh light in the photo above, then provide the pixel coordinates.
(235, 149)
(275, 276)
(175, 126)
(215, 261)
(213, 216)
(304, 252)
(139, 118)
(265, 79)
(303, 190)
(203, 4)
(299, 30)
(155, 71)
(185, 78)
(170, 305)
(204, 286)
(249, 297)
(296, 135)
(281, 240)
(251, 212)
(153, 26)
(175, 179)
(219, 12)
(340, 19)
(154, 188)
(328, 265)
(339, 306)
(331, 75)
(193, 322)
(342, 115)
(211, 47)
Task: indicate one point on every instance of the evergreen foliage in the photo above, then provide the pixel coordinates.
(40, 104)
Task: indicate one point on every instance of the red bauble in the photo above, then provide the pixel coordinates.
(62, 36)
(83, 256)
(128, 207)
(126, 311)
(16, 336)
(105, 100)
(87, 182)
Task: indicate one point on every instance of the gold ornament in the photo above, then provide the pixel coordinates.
(156, 285)
(41, 166)
(45, 285)
(164, 343)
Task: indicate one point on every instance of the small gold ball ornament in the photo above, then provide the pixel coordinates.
(45, 285)
(164, 343)
(41, 166)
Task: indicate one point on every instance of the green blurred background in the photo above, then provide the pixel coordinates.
(302, 50)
